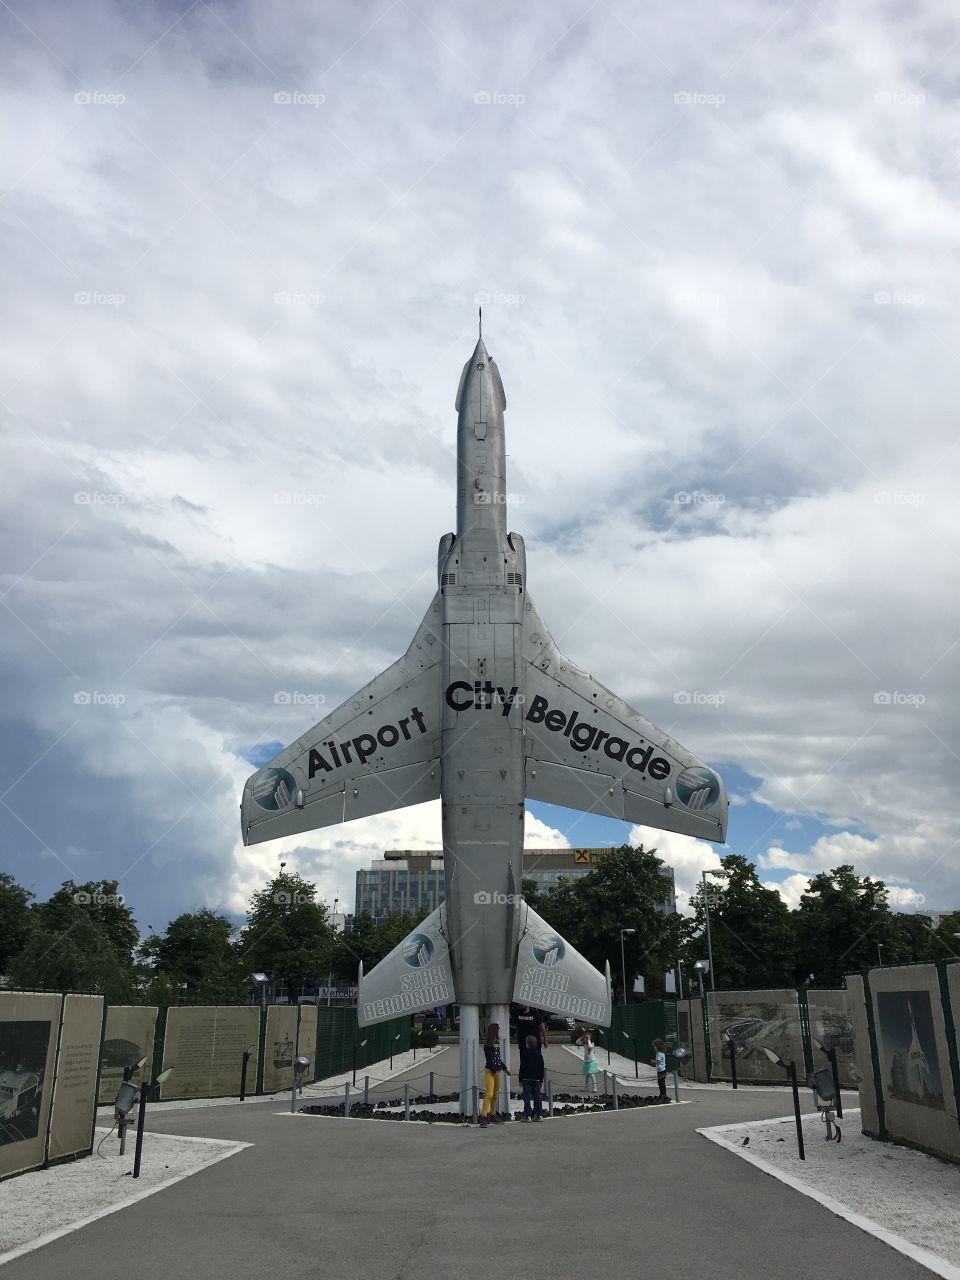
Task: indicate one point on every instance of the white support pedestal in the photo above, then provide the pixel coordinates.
(470, 1059)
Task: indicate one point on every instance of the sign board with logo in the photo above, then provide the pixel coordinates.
(204, 1047)
(75, 1088)
(280, 1047)
(552, 976)
(28, 1048)
(128, 1038)
(416, 975)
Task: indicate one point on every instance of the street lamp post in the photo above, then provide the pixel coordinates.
(356, 1046)
(709, 871)
(623, 960)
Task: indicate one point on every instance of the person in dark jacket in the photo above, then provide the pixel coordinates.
(493, 1064)
(530, 1022)
(531, 1077)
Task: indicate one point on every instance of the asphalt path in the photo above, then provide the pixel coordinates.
(599, 1194)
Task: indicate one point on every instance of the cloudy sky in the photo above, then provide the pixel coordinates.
(243, 246)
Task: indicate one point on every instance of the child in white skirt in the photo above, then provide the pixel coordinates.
(589, 1062)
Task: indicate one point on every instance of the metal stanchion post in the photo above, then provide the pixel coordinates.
(733, 1062)
(243, 1074)
(366, 1091)
(346, 1099)
(431, 1086)
(406, 1102)
(676, 1088)
(475, 1099)
(616, 1100)
(141, 1117)
(605, 1086)
(792, 1073)
(832, 1055)
(550, 1097)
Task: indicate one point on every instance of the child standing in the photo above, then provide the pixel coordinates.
(660, 1062)
(589, 1062)
(493, 1065)
(531, 1077)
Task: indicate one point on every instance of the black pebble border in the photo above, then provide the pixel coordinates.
(569, 1105)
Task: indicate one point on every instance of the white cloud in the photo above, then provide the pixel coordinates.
(742, 303)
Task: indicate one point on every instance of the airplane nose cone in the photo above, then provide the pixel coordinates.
(483, 369)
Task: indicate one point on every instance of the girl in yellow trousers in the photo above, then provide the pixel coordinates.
(493, 1065)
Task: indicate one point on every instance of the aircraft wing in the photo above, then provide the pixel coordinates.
(553, 975)
(380, 750)
(588, 749)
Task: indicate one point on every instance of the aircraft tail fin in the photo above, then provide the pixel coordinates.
(414, 976)
(552, 975)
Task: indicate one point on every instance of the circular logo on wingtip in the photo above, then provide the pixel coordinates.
(275, 789)
(698, 788)
(417, 950)
(548, 950)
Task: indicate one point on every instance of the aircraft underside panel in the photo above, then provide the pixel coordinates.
(379, 750)
(588, 749)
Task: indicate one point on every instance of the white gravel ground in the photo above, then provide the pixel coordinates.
(893, 1189)
(37, 1207)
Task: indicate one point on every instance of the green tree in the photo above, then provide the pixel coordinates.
(195, 961)
(288, 934)
(15, 919)
(842, 919)
(751, 931)
(82, 938)
(625, 890)
(370, 940)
